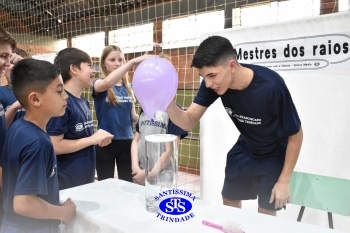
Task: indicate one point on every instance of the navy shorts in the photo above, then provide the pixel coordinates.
(248, 176)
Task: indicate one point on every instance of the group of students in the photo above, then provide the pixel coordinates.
(36, 164)
(52, 145)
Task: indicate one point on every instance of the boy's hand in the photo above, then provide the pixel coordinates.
(101, 138)
(139, 177)
(14, 58)
(106, 142)
(70, 211)
(152, 176)
(280, 194)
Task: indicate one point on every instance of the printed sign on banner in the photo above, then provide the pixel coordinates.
(303, 53)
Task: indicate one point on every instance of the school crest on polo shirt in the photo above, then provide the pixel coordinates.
(229, 111)
(79, 127)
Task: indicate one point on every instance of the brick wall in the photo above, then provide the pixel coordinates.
(328, 6)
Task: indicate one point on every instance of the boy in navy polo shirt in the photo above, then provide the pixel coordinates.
(29, 174)
(7, 58)
(258, 102)
(73, 134)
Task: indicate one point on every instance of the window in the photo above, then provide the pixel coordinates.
(61, 44)
(186, 31)
(133, 39)
(344, 5)
(275, 12)
(93, 44)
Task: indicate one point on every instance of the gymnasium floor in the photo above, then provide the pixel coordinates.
(189, 182)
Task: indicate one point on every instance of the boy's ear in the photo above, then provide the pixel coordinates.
(33, 99)
(73, 69)
(233, 65)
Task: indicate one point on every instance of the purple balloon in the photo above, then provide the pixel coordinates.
(155, 84)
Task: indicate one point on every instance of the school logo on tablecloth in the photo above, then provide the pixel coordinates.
(175, 205)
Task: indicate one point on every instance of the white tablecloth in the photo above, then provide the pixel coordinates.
(119, 206)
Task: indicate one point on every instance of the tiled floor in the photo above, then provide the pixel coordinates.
(189, 182)
(185, 181)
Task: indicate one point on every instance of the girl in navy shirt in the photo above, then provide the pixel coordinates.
(115, 109)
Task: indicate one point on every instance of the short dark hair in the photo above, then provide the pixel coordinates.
(70, 56)
(213, 51)
(7, 38)
(22, 53)
(30, 75)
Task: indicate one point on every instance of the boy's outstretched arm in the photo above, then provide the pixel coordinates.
(65, 146)
(114, 77)
(188, 119)
(33, 207)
